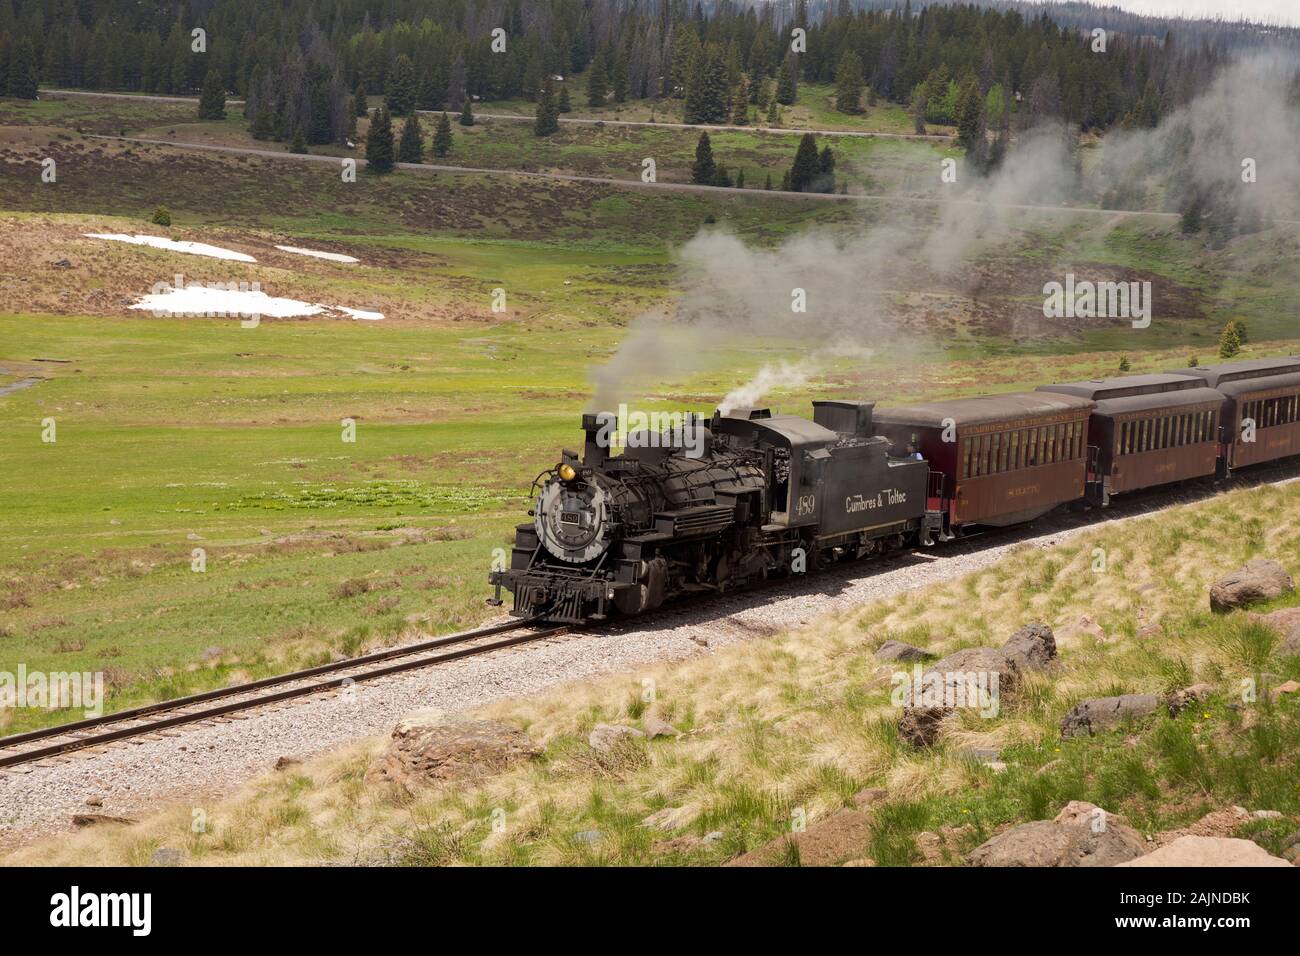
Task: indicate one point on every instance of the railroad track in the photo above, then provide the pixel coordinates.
(50, 742)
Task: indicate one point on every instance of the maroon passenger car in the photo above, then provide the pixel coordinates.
(996, 459)
(1264, 393)
(1148, 430)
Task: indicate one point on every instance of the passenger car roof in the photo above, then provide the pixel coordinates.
(984, 409)
(1102, 388)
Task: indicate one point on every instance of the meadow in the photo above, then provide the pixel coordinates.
(182, 434)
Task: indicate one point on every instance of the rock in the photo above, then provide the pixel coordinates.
(62, 264)
(1180, 700)
(1069, 843)
(1208, 851)
(967, 678)
(94, 801)
(997, 766)
(1290, 646)
(869, 796)
(1147, 631)
(95, 819)
(1032, 647)
(1267, 814)
(827, 842)
(166, 856)
(898, 651)
(919, 726)
(654, 727)
(605, 737)
(588, 837)
(1098, 714)
(1084, 627)
(211, 653)
(713, 836)
(1290, 687)
(427, 748)
(981, 754)
(1081, 811)
(864, 861)
(1260, 580)
(282, 762)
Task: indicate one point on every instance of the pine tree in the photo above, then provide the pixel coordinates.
(740, 179)
(1124, 364)
(467, 113)
(720, 177)
(621, 77)
(22, 70)
(410, 147)
(264, 123)
(299, 144)
(825, 182)
(970, 115)
(564, 106)
(767, 183)
(786, 89)
(548, 117)
(597, 84)
(212, 101)
(379, 142)
(442, 136)
(161, 216)
(1229, 341)
(740, 108)
(849, 83)
(359, 105)
(807, 165)
(401, 87)
(704, 169)
(1240, 326)
(773, 113)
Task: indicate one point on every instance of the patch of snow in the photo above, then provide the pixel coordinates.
(205, 301)
(216, 301)
(317, 254)
(363, 314)
(173, 245)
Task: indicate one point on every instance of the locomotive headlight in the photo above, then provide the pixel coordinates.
(567, 472)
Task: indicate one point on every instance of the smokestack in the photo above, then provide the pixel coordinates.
(595, 450)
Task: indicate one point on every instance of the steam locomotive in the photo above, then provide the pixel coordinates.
(749, 495)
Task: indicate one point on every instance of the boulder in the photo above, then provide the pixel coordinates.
(1180, 700)
(1099, 714)
(654, 727)
(898, 651)
(1260, 580)
(965, 679)
(428, 748)
(1076, 840)
(1032, 647)
(97, 819)
(829, 841)
(1290, 646)
(1208, 851)
(605, 737)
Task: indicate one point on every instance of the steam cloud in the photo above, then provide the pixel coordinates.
(732, 293)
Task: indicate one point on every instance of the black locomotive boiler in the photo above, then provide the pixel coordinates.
(751, 495)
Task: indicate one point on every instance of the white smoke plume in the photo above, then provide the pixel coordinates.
(732, 293)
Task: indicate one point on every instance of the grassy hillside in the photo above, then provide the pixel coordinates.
(802, 721)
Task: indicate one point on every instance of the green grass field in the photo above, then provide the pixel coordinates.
(177, 434)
